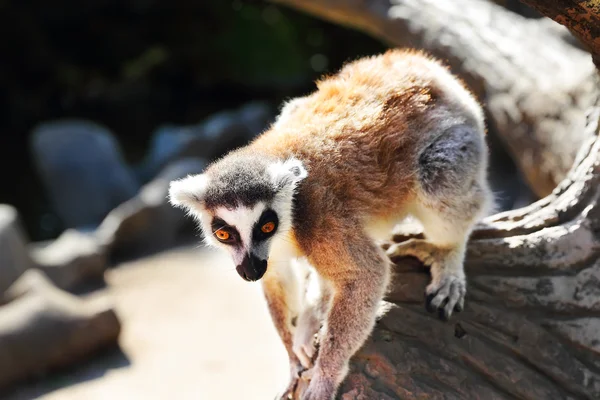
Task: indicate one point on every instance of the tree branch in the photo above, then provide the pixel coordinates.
(582, 17)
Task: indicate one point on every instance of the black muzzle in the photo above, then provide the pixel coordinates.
(252, 268)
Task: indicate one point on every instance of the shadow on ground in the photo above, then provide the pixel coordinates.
(110, 360)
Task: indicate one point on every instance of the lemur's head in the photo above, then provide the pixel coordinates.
(242, 203)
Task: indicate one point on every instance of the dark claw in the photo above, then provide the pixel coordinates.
(458, 308)
(442, 310)
(428, 305)
(442, 314)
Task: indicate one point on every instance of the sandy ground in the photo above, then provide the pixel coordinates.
(192, 329)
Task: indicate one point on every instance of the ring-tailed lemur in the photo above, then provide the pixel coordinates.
(386, 137)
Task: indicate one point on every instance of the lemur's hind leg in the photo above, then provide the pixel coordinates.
(453, 197)
(443, 250)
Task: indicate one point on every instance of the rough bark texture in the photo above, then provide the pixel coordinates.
(582, 17)
(535, 85)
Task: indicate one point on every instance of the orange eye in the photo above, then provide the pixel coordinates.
(268, 227)
(222, 235)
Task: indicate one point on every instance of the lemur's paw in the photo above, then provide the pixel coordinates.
(305, 351)
(319, 388)
(305, 338)
(446, 293)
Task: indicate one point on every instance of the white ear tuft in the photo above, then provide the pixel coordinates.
(289, 172)
(188, 192)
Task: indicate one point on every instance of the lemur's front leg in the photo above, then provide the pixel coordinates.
(358, 273)
(281, 293)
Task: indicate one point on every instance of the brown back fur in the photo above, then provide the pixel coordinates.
(359, 136)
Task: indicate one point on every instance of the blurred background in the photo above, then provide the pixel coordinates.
(135, 66)
(106, 290)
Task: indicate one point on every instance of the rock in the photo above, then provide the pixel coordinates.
(166, 143)
(257, 116)
(218, 134)
(82, 169)
(72, 260)
(14, 256)
(228, 130)
(43, 328)
(148, 222)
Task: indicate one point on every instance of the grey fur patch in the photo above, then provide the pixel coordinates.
(452, 160)
(261, 250)
(239, 179)
(296, 171)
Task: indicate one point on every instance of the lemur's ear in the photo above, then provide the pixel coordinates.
(188, 193)
(287, 173)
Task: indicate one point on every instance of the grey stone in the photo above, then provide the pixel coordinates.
(228, 130)
(82, 169)
(257, 116)
(223, 125)
(166, 143)
(43, 328)
(208, 140)
(14, 256)
(148, 223)
(72, 260)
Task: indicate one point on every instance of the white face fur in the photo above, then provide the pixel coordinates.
(245, 237)
(244, 219)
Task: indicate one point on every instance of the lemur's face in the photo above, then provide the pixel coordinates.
(247, 233)
(242, 209)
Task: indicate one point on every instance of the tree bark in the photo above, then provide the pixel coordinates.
(582, 17)
(531, 325)
(536, 86)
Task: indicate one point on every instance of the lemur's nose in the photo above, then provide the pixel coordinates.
(240, 271)
(252, 268)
